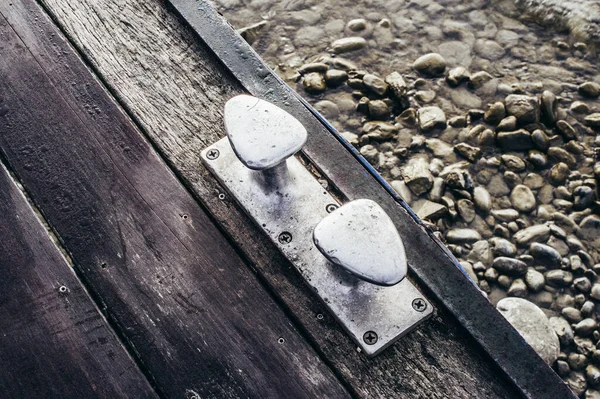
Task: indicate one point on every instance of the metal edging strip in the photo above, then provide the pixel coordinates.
(530, 374)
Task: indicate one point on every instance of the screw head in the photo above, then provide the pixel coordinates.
(370, 337)
(331, 207)
(212, 154)
(419, 304)
(285, 237)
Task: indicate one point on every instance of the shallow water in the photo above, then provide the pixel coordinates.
(470, 178)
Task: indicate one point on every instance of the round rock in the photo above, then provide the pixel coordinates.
(431, 64)
(522, 198)
(533, 325)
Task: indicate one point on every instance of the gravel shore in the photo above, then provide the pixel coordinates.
(485, 123)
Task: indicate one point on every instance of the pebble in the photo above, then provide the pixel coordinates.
(466, 210)
(540, 140)
(548, 108)
(375, 84)
(559, 173)
(560, 155)
(533, 325)
(357, 25)
(566, 130)
(431, 211)
(335, 77)
(431, 118)
(515, 140)
(538, 232)
(507, 124)
(593, 120)
(457, 75)
(503, 247)
(479, 79)
(522, 198)
(518, 288)
(468, 151)
(559, 278)
(563, 330)
(348, 44)
(585, 327)
(431, 64)
(545, 255)
(579, 107)
(417, 176)
(396, 82)
(524, 108)
(495, 113)
(482, 199)
(534, 280)
(513, 162)
(509, 266)
(589, 229)
(462, 236)
(314, 83)
(589, 89)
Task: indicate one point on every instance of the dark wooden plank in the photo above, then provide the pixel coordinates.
(54, 341)
(191, 311)
(175, 89)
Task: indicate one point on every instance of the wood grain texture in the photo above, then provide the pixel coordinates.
(175, 89)
(193, 314)
(54, 341)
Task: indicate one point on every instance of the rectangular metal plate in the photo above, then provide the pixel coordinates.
(295, 206)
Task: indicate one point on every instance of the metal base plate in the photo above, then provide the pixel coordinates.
(287, 205)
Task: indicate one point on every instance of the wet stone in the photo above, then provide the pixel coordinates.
(482, 199)
(431, 118)
(537, 233)
(585, 327)
(431, 64)
(462, 236)
(559, 173)
(507, 124)
(502, 247)
(335, 77)
(563, 330)
(533, 325)
(589, 89)
(509, 266)
(534, 280)
(566, 130)
(518, 288)
(548, 108)
(348, 44)
(560, 155)
(457, 75)
(545, 255)
(378, 109)
(467, 151)
(314, 83)
(593, 120)
(524, 108)
(495, 113)
(522, 198)
(375, 84)
(559, 278)
(397, 84)
(466, 210)
(417, 176)
(540, 140)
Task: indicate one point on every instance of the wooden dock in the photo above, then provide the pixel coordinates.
(126, 273)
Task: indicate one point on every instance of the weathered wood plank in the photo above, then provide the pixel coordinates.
(176, 89)
(191, 311)
(54, 340)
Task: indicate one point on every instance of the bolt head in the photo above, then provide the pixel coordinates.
(213, 153)
(370, 337)
(419, 304)
(285, 237)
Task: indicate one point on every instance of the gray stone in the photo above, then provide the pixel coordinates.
(548, 109)
(495, 113)
(466, 210)
(593, 120)
(468, 151)
(560, 155)
(507, 124)
(431, 118)
(457, 75)
(559, 278)
(534, 181)
(577, 383)
(314, 83)
(589, 229)
(518, 288)
(545, 255)
(524, 108)
(375, 84)
(509, 266)
(397, 84)
(462, 236)
(431, 64)
(585, 327)
(357, 25)
(534, 280)
(540, 140)
(417, 176)
(566, 130)
(431, 211)
(505, 215)
(589, 89)
(482, 199)
(488, 49)
(579, 107)
(479, 79)
(379, 110)
(538, 233)
(480, 252)
(379, 130)
(533, 325)
(335, 77)
(348, 44)
(513, 162)
(522, 198)
(537, 159)
(515, 140)
(559, 173)
(503, 247)
(563, 330)
(402, 189)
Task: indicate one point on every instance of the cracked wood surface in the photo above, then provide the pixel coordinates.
(189, 310)
(175, 90)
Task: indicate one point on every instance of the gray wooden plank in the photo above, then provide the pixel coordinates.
(175, 89)
(190, 310)
(54, 341)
